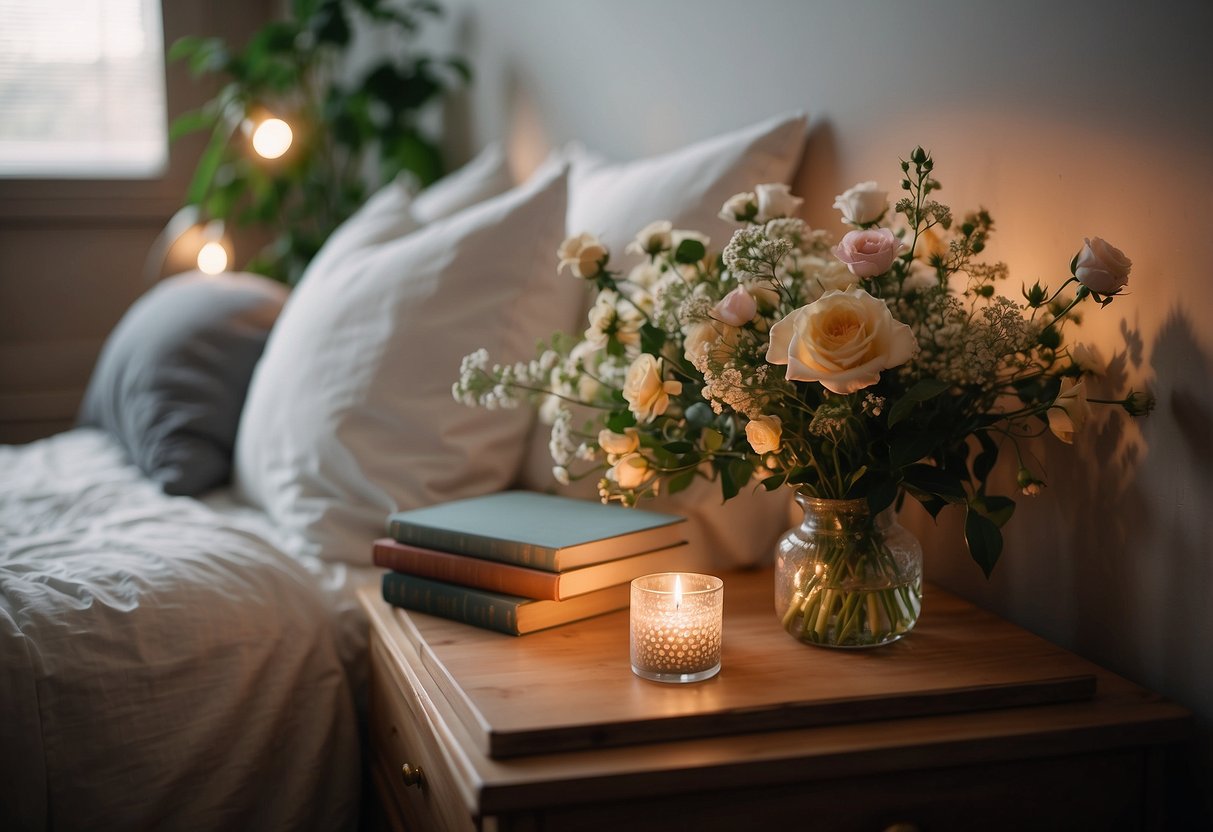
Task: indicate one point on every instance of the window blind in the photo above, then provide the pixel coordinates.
(82, 89)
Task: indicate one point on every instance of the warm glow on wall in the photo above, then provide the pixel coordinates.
(272, 137)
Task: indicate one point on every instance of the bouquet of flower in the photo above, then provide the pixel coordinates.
(880, 365)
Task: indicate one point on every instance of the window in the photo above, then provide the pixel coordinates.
(82, 89)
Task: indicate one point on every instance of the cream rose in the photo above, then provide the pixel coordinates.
(619, 444)
(584, 255)
(764, 433)
(647, 395)
(1069, 412)
(629, 472)
(1102, 267)
(654, 238)
(737, 308)
(709, 339)
(863, 204)
(824, 275)
(775, 201)
(843, 340)
(870, 252)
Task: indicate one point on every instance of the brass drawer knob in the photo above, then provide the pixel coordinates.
(411, 775)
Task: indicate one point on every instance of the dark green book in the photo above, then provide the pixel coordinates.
(494, 611)
(540, 531)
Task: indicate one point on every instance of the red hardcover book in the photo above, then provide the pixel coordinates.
(519, 580)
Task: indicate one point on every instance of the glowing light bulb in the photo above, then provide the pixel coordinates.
(272, 138)
(677, 591)
(212, 258)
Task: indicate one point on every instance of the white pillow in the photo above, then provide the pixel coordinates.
(396, 209)
(484, 177)
(350, 417)
(687, 187)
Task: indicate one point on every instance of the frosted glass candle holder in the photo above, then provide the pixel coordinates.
(676, 626)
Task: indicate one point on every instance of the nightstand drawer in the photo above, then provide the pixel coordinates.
(425, 797)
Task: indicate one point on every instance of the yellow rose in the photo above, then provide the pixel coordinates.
(646, 394)
(764, 434)
(843, 340)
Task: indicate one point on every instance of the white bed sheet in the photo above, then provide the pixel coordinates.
(162, 663)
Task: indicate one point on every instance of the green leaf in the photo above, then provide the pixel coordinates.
(908, 448)
(774, 482)
(680, 447)
(689, 251)
(679, 482)
(997, 509)
(984, 540)
(984, 463)
(734, 474)
(620, 420)
(933, 481)
(208, 164)
(712, 440)
(330, 25)
(462, 68)
(881, 495)
(652, 339)
(191, 122)
(923, 391)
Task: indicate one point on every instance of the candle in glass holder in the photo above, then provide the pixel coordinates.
(676, 626)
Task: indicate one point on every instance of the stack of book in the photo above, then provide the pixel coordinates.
(518, 561)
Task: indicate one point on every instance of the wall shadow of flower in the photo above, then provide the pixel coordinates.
(1114, 560)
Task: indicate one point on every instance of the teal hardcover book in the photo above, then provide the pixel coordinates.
(540, 531)
(495, 611)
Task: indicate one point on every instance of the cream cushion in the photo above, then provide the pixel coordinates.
(349, 415)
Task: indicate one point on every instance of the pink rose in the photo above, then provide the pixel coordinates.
(737, 308)
(1102, 267)
(869, 253)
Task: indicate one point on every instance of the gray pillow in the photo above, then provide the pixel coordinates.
(171, 379)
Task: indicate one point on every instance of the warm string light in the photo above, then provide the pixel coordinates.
(212, 258)
(272, 137)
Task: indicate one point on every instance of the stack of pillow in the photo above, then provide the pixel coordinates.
(349, 415)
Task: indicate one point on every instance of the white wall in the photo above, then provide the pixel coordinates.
(1065, 120)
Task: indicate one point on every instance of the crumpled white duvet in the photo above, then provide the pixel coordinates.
(162, 665)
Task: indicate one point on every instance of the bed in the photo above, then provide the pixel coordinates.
(176, 652)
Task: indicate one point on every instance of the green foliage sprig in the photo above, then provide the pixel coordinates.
(350, 136)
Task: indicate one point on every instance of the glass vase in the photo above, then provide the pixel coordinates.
(846, 578)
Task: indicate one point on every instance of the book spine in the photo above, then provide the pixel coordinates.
(505, 551)
(453, 602)
(466, 570)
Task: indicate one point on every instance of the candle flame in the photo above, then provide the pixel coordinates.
(677, 591)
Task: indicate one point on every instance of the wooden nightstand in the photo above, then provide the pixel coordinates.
(445, 696)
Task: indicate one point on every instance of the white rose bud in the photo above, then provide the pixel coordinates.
(863, 204)
(1069, 412)
(653, 239)
(619, 444)
(629, 472)
(764, 434)
(1102, 267)
(584, 255)
(775, 201)
(741, 207)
